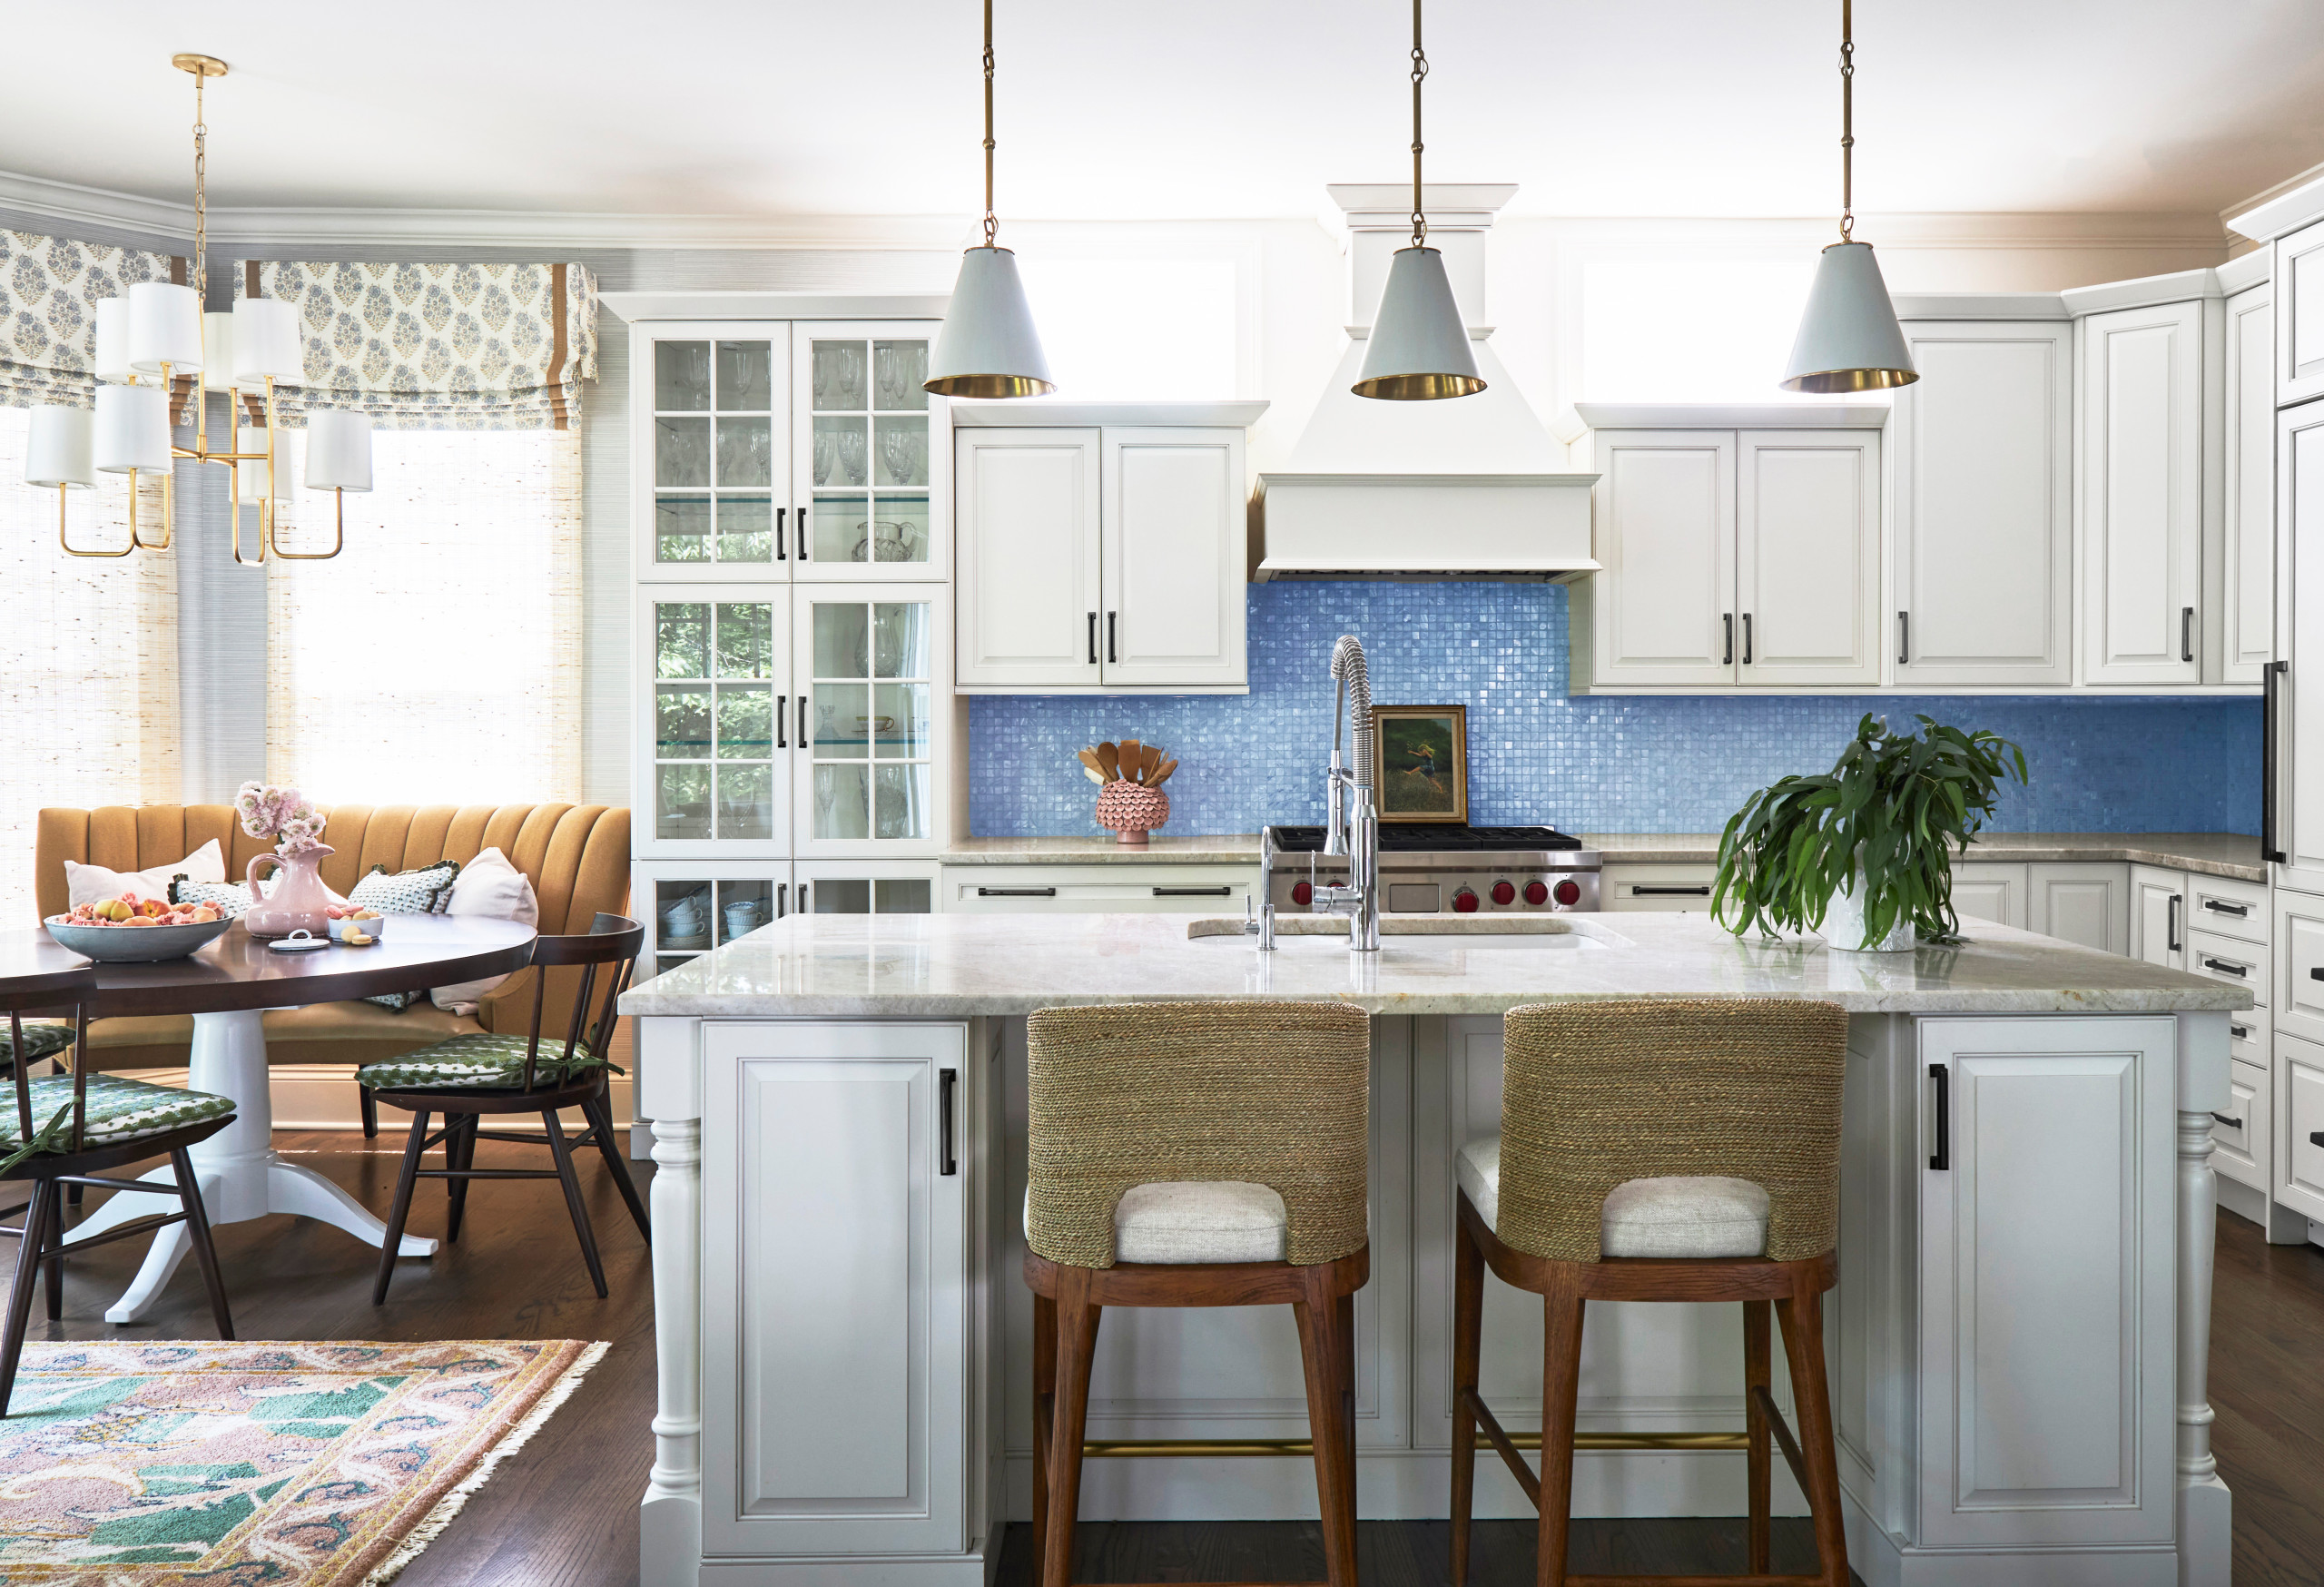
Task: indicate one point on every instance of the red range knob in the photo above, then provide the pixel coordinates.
(1302, 894)
(1464, 902)
(1569, 893)
(1535, 892)
(1504, 892)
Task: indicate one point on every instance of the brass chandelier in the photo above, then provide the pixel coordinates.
(159, 332)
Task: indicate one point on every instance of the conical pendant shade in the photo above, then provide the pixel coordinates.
(1849, 340)
(1419, 348)
(988, 347)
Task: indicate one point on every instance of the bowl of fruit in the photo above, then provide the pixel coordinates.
(355, 926)
(128, 929)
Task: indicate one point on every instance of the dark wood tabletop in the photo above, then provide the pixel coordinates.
(238, 972)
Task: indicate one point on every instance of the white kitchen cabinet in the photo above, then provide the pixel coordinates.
(2297, 955)
(2239, 1131)
(2045, 1315)
(2230, 907)
(2158, 916)
(2298, 1172)
(2141, 427)
(2299, 319)
(1744, 557)
(1982, 548)
(2296, 730)
(2248, 570)
(1671, 888)
(1104, 557)
(1026, 587)
(835, 1347)
(2085, 903)
(1993, 891)
(691, 906)
(1110, 887)
(865, 887)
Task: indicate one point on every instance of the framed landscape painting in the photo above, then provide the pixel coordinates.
(1420, 765)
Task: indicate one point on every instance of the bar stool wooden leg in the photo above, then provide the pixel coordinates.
(1562, 1317)
(1468, 1331)
(1076, 1350)
(1802, 1318)
(1323, 1350)
(1044, 1412)
(1758, 1504)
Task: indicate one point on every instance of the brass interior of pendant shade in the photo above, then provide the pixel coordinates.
(990, 386)
(1842, 380)
(1419, 388)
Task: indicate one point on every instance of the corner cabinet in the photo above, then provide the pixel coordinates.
(1101, 551)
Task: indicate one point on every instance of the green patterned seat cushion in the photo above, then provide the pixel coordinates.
(43, 1039)
(119, 1109)
(482, 1060)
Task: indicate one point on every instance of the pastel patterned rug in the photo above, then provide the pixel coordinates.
(327, 1463)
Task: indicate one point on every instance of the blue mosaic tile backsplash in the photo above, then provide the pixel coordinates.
(1621, 764)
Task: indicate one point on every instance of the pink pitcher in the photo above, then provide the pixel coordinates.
(299, 898)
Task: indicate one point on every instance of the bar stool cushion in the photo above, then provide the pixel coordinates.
(1211, 1221)
(1687, 1215)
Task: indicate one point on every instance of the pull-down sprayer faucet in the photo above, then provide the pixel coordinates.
(1351, 822)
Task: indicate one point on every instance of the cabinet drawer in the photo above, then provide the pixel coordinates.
(2238, 963)
(1669, 888)
(2249, 1039)
(1113, 888)
(2299, 952)
(2239, 1131)
(2299, 1166)
(2230, 908)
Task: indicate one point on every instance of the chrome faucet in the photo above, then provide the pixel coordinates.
(1351, 822)
(1261, 923)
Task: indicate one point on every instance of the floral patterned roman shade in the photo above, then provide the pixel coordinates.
(49, 290)
(438, 346)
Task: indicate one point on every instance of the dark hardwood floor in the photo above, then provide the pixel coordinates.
(563, 1511)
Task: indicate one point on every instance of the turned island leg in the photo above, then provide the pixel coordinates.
(669, 1540)
(2204, 1503)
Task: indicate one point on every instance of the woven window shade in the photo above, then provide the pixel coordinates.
(438, 657)
(88, 662)
(49, 290)
(437, 345)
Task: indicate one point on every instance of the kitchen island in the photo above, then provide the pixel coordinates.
(2018, 1339)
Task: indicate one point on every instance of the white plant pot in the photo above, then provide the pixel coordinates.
(1844, 925)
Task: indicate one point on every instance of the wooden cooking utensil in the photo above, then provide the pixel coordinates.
(1128, 751)
(1094, 775)
(1089, 758)
(1108, 760)
(1148, 760)
(1163, 775)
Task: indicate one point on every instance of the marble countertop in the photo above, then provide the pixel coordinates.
(954, 965)
(2206, 853)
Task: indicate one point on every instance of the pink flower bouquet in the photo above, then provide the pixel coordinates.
(281, 813)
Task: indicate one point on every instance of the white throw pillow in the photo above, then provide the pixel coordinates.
(95, 883)
(487, 885)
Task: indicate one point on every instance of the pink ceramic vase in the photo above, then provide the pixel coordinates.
(1131, 811)
(298, 899)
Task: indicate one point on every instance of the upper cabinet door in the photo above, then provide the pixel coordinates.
(711, 451)
(1984, 504)
(1663, 609)
(873, 714)
(1173, 559)
(1807, 556)
(714, 722)
(2248, 588)
(2300, 315)
(868, 453)
(2142, 494)
(1028, 594)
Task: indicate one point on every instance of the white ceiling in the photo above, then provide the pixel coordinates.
(1198, 108)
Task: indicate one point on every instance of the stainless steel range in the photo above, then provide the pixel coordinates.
(1427, 869)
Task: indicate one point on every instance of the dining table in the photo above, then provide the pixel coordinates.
(227, 986)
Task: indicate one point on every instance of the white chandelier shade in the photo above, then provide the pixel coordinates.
(266, 343)
(339, 450)
(112, 340)
(133, 429)
(164, 328)
(253, 474)
(217, 348)
(60, 448)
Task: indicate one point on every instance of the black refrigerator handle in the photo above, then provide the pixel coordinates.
(2269, 697)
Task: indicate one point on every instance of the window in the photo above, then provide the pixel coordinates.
(1690, 329)
(1158, 330)
(438, 657)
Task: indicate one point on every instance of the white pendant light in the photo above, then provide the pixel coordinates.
(1848, 340)
(1419, 346)
(988, 346)
(164, 328)
(339, 450)
(59, 449)
(133, 429)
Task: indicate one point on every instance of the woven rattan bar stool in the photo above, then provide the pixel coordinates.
(1678, 1151)
(1196, 1155)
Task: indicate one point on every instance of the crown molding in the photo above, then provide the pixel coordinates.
(2285, 207)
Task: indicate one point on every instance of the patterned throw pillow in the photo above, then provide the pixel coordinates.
(422, 892)
(233, 898)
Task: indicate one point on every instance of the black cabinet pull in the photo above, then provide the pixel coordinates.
(2186, 633)
(2241, 911)
(2240, 1032)
(1904, 638)
(2226, 967)
(1016, 893)
(802, 534)
(2269, 674)
(2230, 1123)
(802, 741)
(1727, 621)
(1194, 892)
(1110, 619)
(2316, 1137)
(948, 1081)
(2170, 927)
(781, 899)
(780, 742)
(1942, 1158)
(1093, 639)
(1747, 639)
(780, 514)
(1642, 890)
(802, 898)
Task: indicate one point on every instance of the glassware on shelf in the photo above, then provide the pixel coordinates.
(745, 801)
(900, 643)
(746, 451)
(851, 456)
(838, 379)
(745, 528)
(826, 456)
(680, 451)
(898, 371)
(886, 540)
(903, 452)
(681, 377)
(745, 376)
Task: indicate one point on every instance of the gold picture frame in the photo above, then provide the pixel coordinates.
(1420, 763)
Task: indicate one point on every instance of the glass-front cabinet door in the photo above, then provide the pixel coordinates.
(866, 887)
(874, 714)
(715, 720)
(872, 452)
(691, 908)
(714, 453)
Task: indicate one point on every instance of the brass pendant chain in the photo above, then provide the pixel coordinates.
(200, 227)
(991, 224)
(1847, 121)
(1420, 71)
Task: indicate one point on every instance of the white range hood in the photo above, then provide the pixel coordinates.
(1462, 486)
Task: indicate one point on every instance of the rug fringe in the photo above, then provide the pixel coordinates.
(432, 1527)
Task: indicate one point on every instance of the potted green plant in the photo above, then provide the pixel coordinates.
(1872, 841)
